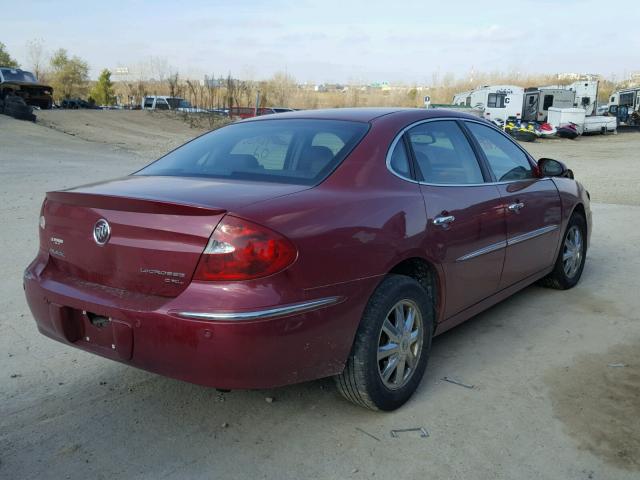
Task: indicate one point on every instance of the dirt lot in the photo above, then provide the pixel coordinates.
(556, 375)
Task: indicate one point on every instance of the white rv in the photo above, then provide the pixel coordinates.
(629, 97)
(497, 102)
(537, 102)
(623, 103)
(461, 98)
(585, 94)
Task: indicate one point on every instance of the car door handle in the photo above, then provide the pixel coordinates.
(515, 207)
(444, 220)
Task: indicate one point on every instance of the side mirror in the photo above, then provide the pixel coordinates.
(553, 168)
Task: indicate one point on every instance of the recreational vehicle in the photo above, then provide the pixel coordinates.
(461, 98)
(585, 94)
(624, 103)
(538, 100)
(497, 102)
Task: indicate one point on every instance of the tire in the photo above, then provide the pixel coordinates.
(362, 382)
(562, 277)
(17, 108)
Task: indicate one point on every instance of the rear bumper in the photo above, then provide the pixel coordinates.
(276, 350)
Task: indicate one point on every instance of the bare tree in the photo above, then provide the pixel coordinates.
(173, 81)
(37, 57)
(232, 91)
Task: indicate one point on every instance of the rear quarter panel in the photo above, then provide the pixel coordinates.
(357, 224)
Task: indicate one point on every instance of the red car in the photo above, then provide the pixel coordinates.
(318, 243)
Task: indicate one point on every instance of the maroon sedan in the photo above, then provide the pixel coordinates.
(309, 244)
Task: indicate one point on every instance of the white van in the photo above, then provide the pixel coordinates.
(164, 102)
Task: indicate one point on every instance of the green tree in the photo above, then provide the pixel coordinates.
(102, 91)
(69, 75)
(5, 58)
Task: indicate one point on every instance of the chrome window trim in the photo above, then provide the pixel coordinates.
(265, 313)
(506, 243)
(479, 121)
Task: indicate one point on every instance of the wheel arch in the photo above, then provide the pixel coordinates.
(579, 208)
(428, 275)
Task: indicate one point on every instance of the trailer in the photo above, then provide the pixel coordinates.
(563, 116)
(461, 98)
(497, 102)
(600, 124)
(537, 102)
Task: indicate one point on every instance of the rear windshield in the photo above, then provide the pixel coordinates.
(301, 151)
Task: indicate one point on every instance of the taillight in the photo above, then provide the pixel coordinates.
(242, 250)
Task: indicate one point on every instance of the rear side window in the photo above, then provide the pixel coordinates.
(301, 151)
(400, 160)
(443, 154)
(148, 102)
(505, 159)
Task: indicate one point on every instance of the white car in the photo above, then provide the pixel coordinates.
(163, 102)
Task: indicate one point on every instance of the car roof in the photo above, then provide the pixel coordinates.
(364, 114)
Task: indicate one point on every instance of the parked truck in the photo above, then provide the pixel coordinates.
(14, 81)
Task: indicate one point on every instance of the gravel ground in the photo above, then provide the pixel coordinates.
(556, 375)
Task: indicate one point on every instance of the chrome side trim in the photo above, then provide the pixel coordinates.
(262, 314)
(488, 249)
(511, 241)
(531, 234)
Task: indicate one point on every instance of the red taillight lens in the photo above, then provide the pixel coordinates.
(241, 250)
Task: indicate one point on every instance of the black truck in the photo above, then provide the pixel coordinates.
(14, 81)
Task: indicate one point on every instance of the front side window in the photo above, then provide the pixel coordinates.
(506, 160)
(548, 102)
(443, 154)
(301, 151)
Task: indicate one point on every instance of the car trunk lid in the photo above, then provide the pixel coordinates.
(156, 232)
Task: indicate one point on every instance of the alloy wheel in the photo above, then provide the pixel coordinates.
(572, 252)
(400, 344)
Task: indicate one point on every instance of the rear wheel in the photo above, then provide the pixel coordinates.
(571, 258)
(391, 347)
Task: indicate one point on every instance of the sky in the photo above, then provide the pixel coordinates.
(332, 41)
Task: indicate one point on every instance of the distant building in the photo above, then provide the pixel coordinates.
(578, 76)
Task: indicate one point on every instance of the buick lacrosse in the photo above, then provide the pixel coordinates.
(302, 245)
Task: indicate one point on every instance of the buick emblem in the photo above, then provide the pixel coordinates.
(101, 231)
